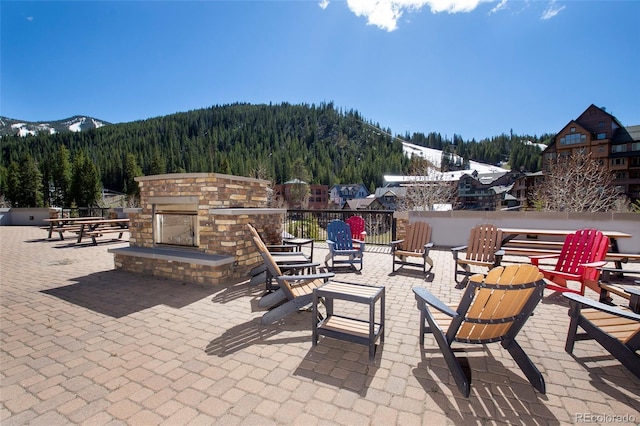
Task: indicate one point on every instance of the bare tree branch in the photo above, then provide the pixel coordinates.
(427, 188)
(578, 184)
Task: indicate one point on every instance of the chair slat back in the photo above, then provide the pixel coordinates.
(583, 246)
(340, 233)
(418, 234)
(484, 241)
(357, 225)
(273, 268)
(269, 261)
(497, 306)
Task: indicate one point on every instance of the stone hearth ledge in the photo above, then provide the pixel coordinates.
(172, 255)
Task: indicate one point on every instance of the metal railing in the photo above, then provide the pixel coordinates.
(85, 212)
(379, 224)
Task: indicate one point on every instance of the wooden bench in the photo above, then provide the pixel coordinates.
(623, 257)
(100, 232)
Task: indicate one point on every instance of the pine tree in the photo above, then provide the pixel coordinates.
(61, 178)
(85, 181)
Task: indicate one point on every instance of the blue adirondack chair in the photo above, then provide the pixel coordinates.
(341, 248)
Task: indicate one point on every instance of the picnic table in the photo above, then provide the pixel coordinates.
(532, 245)
(98, 227)
(66, 224)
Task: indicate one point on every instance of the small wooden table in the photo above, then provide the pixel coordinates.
(364, 332)
(66, 224)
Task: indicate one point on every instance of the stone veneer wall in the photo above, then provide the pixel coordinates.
(225, 205)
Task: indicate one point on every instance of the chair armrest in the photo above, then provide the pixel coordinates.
(396, 242)
(634, 291)
(535, 260)
(424, 296)
(544, 256)
(298, 265)
(499, 252)
(280, 246)
(306, 277)
(428, 246)
(634, 298)
(460, 248)
(595, 264)
(584, 301)
(357, 241)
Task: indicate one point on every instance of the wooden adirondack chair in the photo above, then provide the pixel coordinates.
(341, 245)
(294, 292)
(416, 243)
(582, 253)
(483, 249)
(617, 330)
(492, 309)
(287, 260)
(357, 225)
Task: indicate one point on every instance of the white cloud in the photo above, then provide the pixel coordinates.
(30, 18)
(386, 13)
(499, 6)
(323, 4)
(551, 10)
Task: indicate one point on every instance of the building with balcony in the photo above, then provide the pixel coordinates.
(600, 134)
(294, 194)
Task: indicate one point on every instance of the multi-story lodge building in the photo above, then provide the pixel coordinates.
(616, 147)
(291, 193)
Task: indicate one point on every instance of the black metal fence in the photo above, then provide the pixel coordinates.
(379, 224)
(86, 212)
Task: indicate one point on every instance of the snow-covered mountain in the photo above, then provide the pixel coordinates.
(77, 123)
(435, 157)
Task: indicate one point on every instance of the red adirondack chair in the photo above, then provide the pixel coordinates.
(357, 225)
(582, 253)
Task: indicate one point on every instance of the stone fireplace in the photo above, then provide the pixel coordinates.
(192, 227)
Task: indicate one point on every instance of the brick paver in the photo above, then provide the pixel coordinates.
(82, 343)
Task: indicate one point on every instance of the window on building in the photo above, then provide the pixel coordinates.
(621, 175)
(573, 139)
(618, 161)
(573, 130)
(618, 148)
(634, 162)
(635, 146)
(601, 136)
(601, 124)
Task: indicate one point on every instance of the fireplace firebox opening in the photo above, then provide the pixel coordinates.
(176, 225)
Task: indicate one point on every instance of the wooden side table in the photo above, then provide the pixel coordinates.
(364, 332)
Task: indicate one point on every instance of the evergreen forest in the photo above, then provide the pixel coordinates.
(267, 141)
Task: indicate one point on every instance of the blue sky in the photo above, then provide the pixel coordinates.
(470, 67)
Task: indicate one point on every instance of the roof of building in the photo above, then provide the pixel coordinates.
(358, 203)
(626, 134)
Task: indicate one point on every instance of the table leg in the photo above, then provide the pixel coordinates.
(80, 233)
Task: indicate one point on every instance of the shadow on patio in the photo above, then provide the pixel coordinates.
(118, 294)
